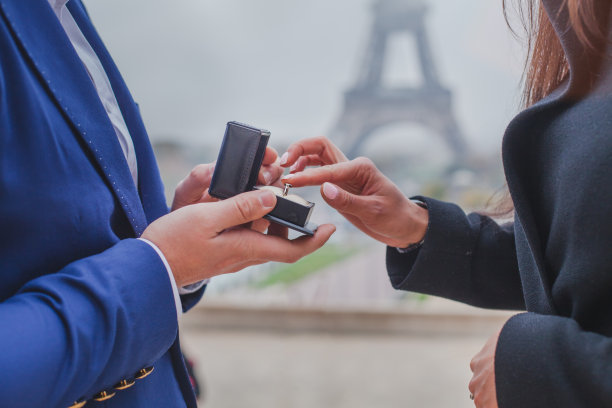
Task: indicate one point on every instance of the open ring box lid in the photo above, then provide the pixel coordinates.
(236, 171)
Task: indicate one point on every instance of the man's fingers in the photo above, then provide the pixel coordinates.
(273, 248)
(278, 230)
(207, 198)
(241, 209)
(191, 189)
(270, 156)
(319, 146)
(269, 174)
(256, 247)
(270, 169)
(260, 225)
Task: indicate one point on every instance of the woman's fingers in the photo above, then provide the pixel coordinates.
(319, 146)
(353, 171)
(482, 384)
(305, 161)
(345, 202)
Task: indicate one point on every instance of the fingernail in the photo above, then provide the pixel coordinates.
(293, 167)
(267, 176)
(284, 158)
(330, 191)
(267, 199)
(288, 176)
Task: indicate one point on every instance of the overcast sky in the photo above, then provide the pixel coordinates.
(193, 65)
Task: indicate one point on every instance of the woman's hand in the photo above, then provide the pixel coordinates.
(358, 190)
(193, 189)
(482, 385)
(203, 240)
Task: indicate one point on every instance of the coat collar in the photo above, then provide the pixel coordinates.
(516, 153)
(62, 73)
(584, 65)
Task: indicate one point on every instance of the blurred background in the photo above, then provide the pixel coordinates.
(424, 88)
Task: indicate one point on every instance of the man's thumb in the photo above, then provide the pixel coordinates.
(340, 199)
(245, 207)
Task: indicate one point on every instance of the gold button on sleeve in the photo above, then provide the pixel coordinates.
(144, 372)
(103, 396)
(124, 384)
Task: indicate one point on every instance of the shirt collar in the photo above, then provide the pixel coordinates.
(57, 5)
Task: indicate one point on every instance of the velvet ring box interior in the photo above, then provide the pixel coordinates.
(236, 171)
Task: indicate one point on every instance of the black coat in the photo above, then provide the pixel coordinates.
(555, 260)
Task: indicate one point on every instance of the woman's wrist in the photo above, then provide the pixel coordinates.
(418, 220)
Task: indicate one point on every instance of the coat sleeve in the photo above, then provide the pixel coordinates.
(468, 258)
(69, 334)
(550, 361)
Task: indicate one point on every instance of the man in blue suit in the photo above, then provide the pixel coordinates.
(93, 267)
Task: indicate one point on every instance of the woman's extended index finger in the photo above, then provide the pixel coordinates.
(319, 146)
(333, 173)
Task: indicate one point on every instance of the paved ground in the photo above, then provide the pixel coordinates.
(334, 340)
(273, 370)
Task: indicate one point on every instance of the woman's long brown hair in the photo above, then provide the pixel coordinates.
(546, 66)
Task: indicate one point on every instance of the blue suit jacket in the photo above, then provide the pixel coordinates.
(84, 305)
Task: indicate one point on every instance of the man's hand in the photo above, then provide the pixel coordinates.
(193, 189)
(358, 190)
(205, 239)
(482, 385)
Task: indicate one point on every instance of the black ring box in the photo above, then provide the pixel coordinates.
(236, 171)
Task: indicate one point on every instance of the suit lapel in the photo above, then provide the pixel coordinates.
(149, 182)
(62, 73)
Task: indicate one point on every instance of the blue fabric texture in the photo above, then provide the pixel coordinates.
(555, 261)
(83, 304)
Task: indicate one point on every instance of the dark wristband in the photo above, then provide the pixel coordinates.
(416, 245)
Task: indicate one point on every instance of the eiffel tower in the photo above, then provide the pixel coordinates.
(369, 105)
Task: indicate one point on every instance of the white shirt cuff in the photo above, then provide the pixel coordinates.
(194, 287)
(176, 291)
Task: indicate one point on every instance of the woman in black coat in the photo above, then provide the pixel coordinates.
(554, 260)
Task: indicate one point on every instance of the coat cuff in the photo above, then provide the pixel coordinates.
(446, 247)
(550, 361)
(520, 367)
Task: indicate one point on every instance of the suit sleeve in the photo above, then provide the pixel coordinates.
(70, 334)
(468, 258)
(550, 361)
(189, 300)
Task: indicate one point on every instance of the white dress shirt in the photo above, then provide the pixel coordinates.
(107, 97)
